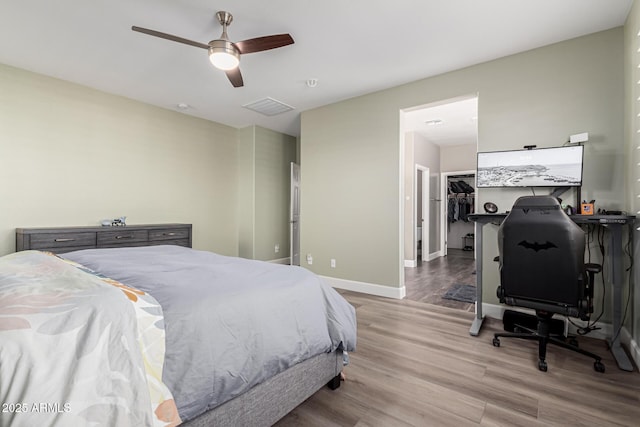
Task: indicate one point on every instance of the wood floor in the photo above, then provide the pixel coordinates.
(429, 281)
(417, 365)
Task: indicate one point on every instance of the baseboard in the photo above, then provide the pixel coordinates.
(434, 255)
(366, 288)
(412, 263)
(285, 261)
(496, 311)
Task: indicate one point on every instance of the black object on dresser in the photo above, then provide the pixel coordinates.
(67, 239)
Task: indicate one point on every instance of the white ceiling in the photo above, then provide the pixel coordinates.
(449, 123)
(351, 47)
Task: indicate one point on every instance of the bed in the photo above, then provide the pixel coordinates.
(267, 338)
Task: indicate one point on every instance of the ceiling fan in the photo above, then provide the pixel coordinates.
(223, 53)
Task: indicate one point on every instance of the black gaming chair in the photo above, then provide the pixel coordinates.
(542, 268)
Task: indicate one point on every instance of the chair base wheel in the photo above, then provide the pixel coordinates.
(542, 365)
(598, 366)
(496, 342)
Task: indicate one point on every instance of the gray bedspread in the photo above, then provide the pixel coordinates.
(231, 323)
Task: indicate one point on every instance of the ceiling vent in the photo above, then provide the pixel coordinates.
(268, 106)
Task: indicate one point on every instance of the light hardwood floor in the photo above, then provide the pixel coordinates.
(417, 365)
(429, 281)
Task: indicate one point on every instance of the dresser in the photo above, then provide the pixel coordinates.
(67, 239)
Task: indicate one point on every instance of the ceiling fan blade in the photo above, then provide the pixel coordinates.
(169, 37)
(264, 43)
(235, 77)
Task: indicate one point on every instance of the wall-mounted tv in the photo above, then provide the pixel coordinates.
(542, 167)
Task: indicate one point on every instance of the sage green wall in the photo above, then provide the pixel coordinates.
(458, 157)
(246, 192)
(70, 155)
(351, 191)
(274, 153)
(632, 141)
(264, 179)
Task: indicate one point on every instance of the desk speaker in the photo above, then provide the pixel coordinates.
(490, 207)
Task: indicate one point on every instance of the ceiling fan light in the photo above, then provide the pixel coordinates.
(224, 60)
(222, 55)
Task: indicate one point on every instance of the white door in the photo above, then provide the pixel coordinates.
(434, 216)
(294, 215)
(422, 212)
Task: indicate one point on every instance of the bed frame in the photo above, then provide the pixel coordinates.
(271, 400)
(264, 404)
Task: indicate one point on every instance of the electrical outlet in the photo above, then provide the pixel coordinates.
(309, 259)
(333, 263)
(277, 247)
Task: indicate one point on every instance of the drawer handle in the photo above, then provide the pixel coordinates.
(168, 234)
(129, 236)
(64, 240)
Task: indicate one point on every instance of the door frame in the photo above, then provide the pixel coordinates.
(445, 205)
(425, 212)
(294, 215)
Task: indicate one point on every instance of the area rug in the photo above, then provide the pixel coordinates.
(460, 292)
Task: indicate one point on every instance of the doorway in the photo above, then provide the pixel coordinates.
(439, 139)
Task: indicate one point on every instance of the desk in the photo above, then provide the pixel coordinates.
(614, 223)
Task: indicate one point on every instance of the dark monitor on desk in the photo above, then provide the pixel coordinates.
(542, 167)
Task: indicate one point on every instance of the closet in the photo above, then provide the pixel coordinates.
(460, 204)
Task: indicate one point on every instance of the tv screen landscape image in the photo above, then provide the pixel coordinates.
(542, 167)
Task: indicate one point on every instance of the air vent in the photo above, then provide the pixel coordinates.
(268, 106)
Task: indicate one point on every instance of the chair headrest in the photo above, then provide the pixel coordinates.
(536, 202)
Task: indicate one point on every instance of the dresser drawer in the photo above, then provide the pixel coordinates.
(51, 241)
(179, 242)
(168, 234)
(121, 237)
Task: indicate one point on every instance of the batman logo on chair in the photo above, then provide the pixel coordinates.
(537, 246)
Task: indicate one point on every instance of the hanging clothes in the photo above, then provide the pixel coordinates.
(461, 200)
(459, 207)
(452, 209)
(465, 208)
